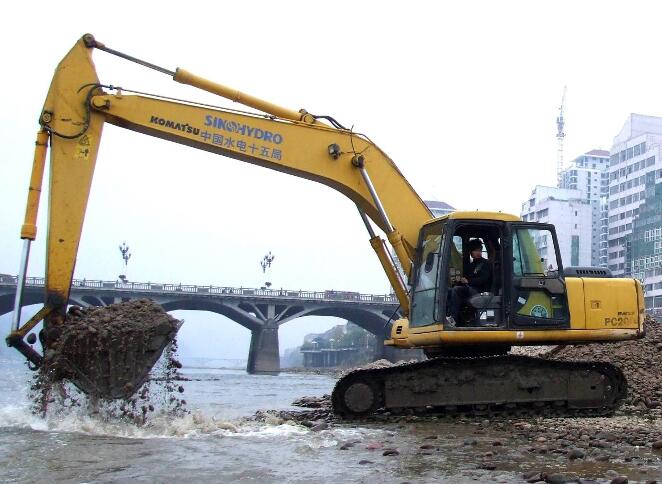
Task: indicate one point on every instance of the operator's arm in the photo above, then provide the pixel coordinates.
(480, 276)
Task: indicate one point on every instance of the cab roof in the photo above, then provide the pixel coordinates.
(479, 215)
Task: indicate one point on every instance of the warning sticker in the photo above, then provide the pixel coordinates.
(83, 149)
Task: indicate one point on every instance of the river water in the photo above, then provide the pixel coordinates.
(217, 443)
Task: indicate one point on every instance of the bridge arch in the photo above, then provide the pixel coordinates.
(30, 298)
(7, 301)
(261, 311)
(243, 318)
(374, 322)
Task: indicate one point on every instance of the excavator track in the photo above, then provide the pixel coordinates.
(510, 383)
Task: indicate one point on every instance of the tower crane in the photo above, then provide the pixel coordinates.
(560, 135)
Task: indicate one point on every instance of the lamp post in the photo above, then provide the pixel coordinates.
(265, 263)
(126, 255)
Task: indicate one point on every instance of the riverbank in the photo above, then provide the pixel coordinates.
(626, 446)
(537, 449)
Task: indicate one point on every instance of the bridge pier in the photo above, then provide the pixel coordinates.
(264, 354)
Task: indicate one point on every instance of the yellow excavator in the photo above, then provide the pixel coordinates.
(531, 299)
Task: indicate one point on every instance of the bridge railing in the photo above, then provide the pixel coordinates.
(212, 290)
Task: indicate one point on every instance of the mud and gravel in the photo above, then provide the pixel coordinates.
(641, 362)
(627, 445)
(108, 353)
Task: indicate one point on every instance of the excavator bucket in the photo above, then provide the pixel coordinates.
(108, 352)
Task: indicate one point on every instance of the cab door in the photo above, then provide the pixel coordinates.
(426, 291)
(537, 296)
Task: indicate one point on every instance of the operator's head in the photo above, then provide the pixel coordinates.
(475, 247)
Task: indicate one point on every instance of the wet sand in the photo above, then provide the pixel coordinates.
(626, 446)
(497, 448)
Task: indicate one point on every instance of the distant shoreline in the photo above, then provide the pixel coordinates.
(295, 370)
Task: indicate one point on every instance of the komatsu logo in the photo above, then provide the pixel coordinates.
(243, 129)
(184, 127)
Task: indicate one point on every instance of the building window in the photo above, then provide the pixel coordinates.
(574, 250)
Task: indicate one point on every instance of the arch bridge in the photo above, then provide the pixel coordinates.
(262, 311)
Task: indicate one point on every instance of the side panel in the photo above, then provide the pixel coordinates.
(576, 304)
(611, 303)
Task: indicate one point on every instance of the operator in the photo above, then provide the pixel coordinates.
(477, 280)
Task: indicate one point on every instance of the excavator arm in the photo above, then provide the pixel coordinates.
(78, 106)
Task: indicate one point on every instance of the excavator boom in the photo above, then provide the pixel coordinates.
(77, 108)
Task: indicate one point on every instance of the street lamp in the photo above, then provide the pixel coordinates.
(126, 255)
(265, 263)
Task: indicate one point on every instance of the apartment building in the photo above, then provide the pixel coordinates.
(635, 205)
(572, 215)
(589, 173)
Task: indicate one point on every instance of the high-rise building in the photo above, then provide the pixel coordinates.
(571, 214)
(646, 248)
(634, 161)
(589, 174)
(635, 205)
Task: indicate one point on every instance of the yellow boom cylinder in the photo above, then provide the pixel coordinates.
(186, 77)
(392, 273)
(29, 228)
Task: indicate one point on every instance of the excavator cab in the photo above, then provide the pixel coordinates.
(526, 301)
(526, 289)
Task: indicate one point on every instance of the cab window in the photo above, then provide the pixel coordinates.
(424, 300)
(534, 253)
(538, 292)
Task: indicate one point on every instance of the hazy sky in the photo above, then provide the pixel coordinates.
(462, 95)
